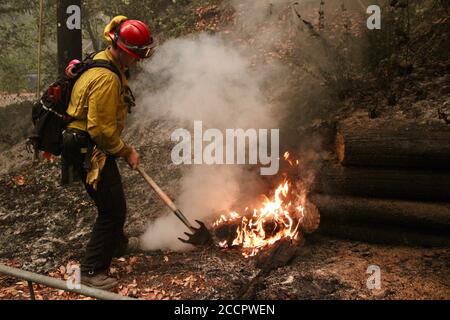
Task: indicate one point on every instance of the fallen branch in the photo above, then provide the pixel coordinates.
(280, 255)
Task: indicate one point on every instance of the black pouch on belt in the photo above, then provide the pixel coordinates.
(88, 155)
(68, 158)
(77, 149)
(67, 172)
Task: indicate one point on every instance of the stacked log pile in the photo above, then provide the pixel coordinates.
(389, 182)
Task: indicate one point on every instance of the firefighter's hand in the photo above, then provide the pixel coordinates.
(134, 159)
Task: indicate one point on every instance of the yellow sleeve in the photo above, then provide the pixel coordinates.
(103, 104)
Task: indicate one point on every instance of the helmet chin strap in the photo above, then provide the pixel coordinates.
(121, 58)
(119, 55)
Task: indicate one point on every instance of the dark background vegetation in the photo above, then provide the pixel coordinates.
(384, 51)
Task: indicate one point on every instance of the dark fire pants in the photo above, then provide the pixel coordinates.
(107, 237)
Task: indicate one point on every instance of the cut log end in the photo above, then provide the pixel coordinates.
(311, 218)
(340, 147)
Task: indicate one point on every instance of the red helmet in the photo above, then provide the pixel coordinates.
(134, 37)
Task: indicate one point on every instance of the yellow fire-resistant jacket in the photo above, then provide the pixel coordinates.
(98, 107)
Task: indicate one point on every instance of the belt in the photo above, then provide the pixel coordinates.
(76, 132)
(81, 137)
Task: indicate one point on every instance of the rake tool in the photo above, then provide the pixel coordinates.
(199, 236)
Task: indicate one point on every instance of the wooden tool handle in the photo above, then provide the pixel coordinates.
(158, 190)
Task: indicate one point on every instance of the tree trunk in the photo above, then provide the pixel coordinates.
(91, 32)
(391, 144)
(383, 183)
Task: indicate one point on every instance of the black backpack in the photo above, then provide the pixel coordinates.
(49, 113)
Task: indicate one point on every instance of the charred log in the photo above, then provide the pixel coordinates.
(226, 232)
(422, 215)
(310, 222)
(384, 221)
(391, 144)
(383, 183)
(382, 234)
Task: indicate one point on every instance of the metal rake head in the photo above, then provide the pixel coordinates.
(199, 237)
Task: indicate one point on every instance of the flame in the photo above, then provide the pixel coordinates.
(276, 219)
(287, 157)
(232, 216)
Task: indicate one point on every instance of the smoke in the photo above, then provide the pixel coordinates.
(215, 80)
(204, 78)
(205, 191)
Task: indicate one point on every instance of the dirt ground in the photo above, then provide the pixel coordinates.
(325, 268)
(7, 99)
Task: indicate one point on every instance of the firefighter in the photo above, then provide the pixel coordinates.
(99, 104)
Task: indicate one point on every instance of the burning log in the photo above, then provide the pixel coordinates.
(278, 217)
(227, 231)
(383, 183)
(277, 254)
(393, 144)
(384, 221)
(271, 231)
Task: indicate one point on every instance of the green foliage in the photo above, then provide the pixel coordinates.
(17, 55)
(19, 22)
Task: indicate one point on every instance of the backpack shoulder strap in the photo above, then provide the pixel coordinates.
(100, 63)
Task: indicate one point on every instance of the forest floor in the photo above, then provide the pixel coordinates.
(44, 227)
(325, 268)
